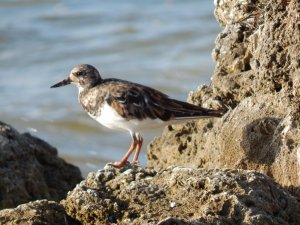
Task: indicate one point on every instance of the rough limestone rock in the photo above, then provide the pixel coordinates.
(35, 213)
(257, 76)
(180, 195)
(30, 169)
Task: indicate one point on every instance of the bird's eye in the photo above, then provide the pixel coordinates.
(80, 73)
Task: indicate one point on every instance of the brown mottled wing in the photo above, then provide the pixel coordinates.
(137, 101)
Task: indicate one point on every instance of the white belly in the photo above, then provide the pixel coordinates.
(111, 119)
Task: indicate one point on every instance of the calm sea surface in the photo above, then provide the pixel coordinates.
(163, 44)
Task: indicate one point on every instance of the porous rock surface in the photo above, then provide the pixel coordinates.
(30, 169)
(257, 76)
(180, 195)
(35, 213)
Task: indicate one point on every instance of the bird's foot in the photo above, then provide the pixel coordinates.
(136, 163)
(119, 164)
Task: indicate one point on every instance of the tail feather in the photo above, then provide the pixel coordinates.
(183, 110)
(204, 113)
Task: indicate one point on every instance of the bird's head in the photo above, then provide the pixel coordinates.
(83, 76)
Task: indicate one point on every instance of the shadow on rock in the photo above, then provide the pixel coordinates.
(260, 142)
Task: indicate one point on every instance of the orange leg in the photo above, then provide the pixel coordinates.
(124, 160)
(138, 150)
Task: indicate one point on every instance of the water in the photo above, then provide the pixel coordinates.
(163, 44)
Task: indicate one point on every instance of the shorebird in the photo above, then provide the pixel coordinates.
(127, 106)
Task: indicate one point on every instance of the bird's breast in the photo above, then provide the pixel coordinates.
(109, 117)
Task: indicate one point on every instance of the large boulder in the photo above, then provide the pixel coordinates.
(30, 169)
(180, 195)
(257, 76)
(173, 196)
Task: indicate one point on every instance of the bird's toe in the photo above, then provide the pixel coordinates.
(119, 164)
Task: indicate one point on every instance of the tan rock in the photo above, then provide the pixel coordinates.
(257, 77)
(38, 212)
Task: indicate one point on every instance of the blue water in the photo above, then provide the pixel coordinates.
(163, 44)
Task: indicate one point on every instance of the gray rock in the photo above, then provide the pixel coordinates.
(30, 169)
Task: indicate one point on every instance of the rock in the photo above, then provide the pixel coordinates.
(180, 195)
(30, 169)
(38, 212)
(257, 77)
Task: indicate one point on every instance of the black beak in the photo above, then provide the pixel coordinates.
(62, 83)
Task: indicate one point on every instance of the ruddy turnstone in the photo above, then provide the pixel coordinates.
(123, 105)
